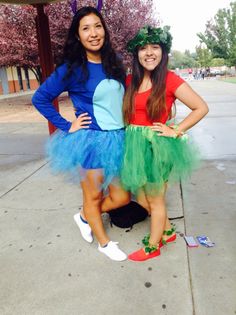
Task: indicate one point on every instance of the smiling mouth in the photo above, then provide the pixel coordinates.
(150, 60)
(95, 42)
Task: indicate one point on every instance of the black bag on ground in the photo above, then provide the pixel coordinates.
(128, 215)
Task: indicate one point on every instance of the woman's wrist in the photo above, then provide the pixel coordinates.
(178, 133)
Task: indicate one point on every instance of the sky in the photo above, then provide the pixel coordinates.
(187, 18)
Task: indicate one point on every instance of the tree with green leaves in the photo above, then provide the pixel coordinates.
(182, 60)
(220, 35)
(204, 56)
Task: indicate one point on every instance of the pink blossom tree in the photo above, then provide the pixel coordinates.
(18, 41)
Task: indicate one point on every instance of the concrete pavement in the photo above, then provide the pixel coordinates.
(46, 268)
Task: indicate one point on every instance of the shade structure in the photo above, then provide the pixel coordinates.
(44, 42)
(28, 1)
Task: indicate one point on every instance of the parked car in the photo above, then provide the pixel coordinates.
(216, 72)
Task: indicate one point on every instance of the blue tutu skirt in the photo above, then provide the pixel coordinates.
(73, 154)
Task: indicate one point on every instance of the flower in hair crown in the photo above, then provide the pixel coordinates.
(151, 35)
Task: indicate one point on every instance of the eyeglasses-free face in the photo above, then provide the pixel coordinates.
(91, 33)
(149, 56)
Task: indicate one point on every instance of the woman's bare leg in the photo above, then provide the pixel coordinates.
(142, 200)
(159, 219)
(92, 200)
(168, 225)
(117, 197)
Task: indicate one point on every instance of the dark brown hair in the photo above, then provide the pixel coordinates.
(75, 54)
(156, 104)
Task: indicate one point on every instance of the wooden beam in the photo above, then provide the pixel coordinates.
(45, 50)
(28, 1)
(44, 41)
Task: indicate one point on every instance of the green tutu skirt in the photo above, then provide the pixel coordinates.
(151, 160)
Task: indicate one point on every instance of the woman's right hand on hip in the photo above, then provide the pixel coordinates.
(81, 122)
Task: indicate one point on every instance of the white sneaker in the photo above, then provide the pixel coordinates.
(85, 229)
(112, 251)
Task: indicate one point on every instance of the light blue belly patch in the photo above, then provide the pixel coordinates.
(107, 104)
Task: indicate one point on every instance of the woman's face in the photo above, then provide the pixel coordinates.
(91, 33)
(149, 56)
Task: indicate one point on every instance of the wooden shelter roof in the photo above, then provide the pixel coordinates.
(27, 1)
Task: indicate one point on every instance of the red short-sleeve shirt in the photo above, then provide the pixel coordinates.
(140, 116)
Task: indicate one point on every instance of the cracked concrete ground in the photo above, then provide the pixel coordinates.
(46, 268)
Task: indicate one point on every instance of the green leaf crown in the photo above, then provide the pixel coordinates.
(151, 35)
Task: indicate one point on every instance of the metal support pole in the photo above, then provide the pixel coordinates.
(45, 50)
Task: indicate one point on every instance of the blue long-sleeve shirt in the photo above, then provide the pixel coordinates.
(99, 96)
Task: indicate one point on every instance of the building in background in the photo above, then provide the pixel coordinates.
(16, 79)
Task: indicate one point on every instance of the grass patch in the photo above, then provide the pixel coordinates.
(229, 79)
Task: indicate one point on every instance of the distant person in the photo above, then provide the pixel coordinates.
(190, 73)
(203, 73)
(156, 153)
(91, 147)
(200, 74)
(208, 72)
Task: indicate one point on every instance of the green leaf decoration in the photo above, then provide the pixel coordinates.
(147, 250)
(145, 240)
(169, 232)
(151, 35)
(150, 248)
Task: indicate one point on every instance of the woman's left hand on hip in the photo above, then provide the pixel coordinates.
(163, 130)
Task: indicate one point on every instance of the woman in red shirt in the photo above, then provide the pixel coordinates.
(156, 152)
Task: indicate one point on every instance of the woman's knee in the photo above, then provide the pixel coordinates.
(157, 204)
(93, 198)
(120, 199)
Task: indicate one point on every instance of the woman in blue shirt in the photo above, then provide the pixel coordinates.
(90, 147)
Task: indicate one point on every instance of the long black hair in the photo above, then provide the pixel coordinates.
(74, 53)
(156, 104)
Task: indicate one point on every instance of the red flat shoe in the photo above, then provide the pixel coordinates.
(169, 240)
(140, 255)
